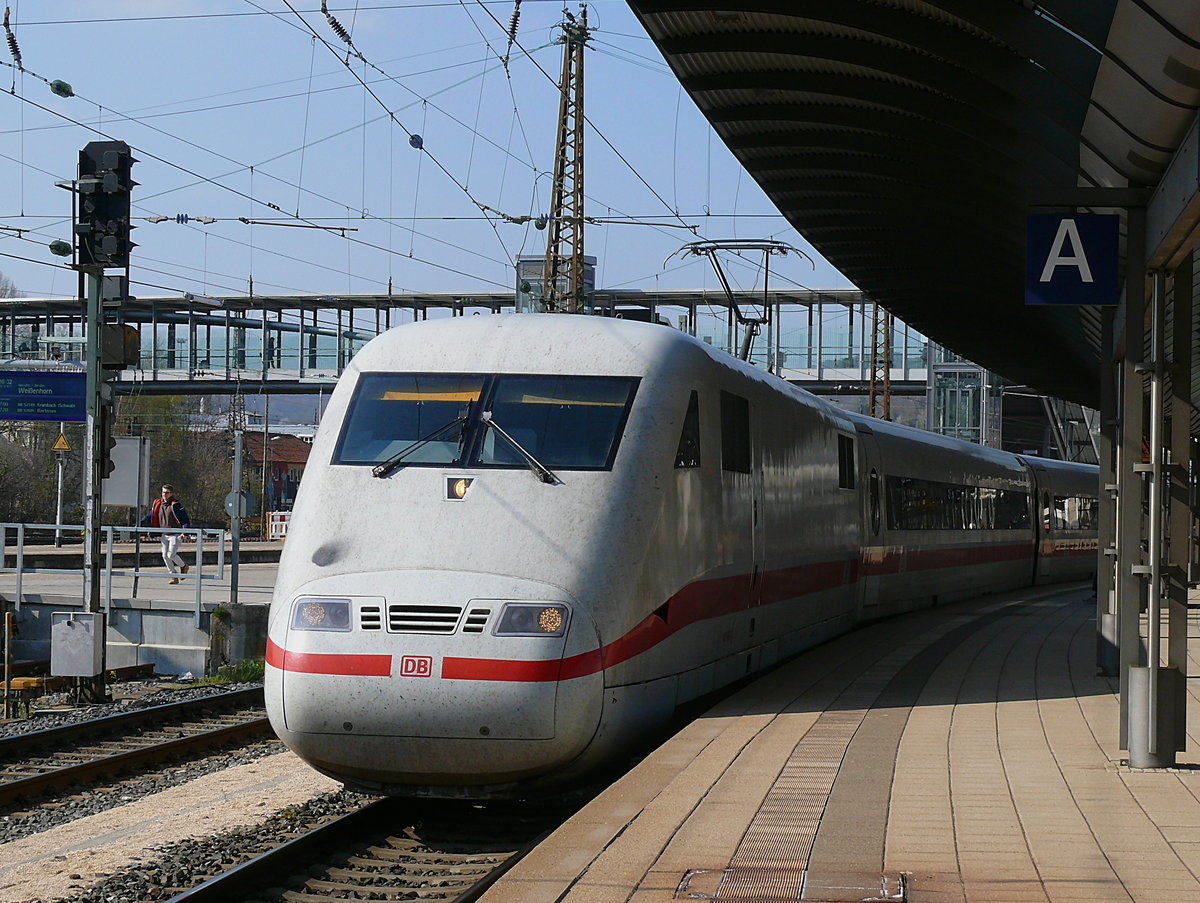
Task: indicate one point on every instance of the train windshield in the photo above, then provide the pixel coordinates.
(566, 422)
(392, 412)
(431, 419)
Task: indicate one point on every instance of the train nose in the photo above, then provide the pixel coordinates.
(433, 661)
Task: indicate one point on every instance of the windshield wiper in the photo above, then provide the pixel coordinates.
(383, 468)
(540, 470)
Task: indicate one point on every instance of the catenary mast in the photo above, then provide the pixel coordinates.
(563, 283)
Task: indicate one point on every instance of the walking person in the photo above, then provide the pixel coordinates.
(169, 512)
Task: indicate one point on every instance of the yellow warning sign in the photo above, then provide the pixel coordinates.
(61, 444)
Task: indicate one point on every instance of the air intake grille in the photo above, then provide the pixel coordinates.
(476, 620)
(370, 617)
(423, 618)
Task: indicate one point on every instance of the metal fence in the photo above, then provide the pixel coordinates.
(197, 574)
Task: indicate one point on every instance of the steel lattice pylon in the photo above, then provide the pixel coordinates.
(562, 284)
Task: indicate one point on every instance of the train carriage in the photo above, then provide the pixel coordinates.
(522, 541)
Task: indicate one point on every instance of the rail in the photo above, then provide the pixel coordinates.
(110, 533)
(55, 758)
(410, 864)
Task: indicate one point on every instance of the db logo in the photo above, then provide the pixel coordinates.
(416, 666)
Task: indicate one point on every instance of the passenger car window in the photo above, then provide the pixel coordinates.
(915, 504)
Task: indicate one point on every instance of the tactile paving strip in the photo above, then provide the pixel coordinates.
(771, 861)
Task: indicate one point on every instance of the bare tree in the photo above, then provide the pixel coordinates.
(8, 288)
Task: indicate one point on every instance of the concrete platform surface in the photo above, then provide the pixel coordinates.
(966, 753)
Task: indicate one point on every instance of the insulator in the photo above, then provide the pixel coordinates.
(13, 47)
(335, 24)
(512, 25)
(512, 32)
(416, 141)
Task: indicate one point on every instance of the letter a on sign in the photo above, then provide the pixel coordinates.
(1072, 259)
(1067, 231)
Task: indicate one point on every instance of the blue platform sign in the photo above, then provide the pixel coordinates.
(43, 395)
(1072, 258)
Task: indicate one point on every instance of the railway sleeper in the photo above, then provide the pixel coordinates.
(400, 869)
(293, 896)
(388, 866)
(393, 855)
(465, 847)
(373, 885)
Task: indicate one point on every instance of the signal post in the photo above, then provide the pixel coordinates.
(102, 228)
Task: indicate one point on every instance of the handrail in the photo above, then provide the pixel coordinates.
(199, 534)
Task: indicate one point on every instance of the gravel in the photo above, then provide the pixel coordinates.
(35, 818)
(127, 697)
(179, 865)
(32, 818)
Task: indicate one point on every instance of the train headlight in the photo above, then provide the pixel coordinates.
(321, 614)
(532, 619)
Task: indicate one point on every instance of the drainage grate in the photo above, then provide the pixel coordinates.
(423, 618)
(746, 884)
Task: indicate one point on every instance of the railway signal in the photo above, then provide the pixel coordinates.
(105, 189)
(102, 228)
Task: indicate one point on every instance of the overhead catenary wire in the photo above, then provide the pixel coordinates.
(391, 115)
(312, 59)
(590, 124)
(143, 115)
(234, 290)
(243, 167)
(301, 188)
(414, 138)
(316, 194)
(243, 194)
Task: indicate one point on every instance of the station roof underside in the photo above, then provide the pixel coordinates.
(905, 140)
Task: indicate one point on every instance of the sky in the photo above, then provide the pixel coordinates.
(256, 110)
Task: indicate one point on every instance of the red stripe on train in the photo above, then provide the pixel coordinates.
(699, 601)
(707, 599)
(328, 663)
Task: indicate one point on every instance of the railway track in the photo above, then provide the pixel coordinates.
(39, 762)
(394, 850)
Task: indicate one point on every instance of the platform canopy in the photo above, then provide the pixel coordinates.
(904, 139)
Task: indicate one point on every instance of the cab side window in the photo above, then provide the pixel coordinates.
(845, 462)
(735, 433)
(875, 519)
(688, 453)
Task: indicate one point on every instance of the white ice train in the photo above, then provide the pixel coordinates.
(523, 540)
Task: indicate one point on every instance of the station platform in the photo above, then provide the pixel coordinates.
(964, 753)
